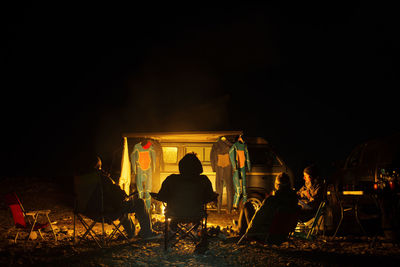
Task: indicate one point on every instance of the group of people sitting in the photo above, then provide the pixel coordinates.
(187, 193)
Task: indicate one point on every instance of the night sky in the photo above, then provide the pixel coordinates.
(313, 79)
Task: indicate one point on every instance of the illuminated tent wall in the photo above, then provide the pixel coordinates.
(125, 179)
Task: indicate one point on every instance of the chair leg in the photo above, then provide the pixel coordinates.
(116, 229)
(40, 233)
(16, 237)
(358, 219)
(340, 222)
(166, 234)
(33, 226)
(89, 231)
(52, 229)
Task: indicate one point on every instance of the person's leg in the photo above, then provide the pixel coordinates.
(128, 225)
(138, 207)
(246, 214)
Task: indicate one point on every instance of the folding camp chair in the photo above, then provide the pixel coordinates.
(318, 221)
(282, 225)
(27, 221)
(184, 228)
(89, 210)
(177, 229)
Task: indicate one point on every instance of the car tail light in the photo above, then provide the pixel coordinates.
(391, 184)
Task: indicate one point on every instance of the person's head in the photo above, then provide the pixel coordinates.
(311, 174)
(282, 181)
(190, 164)
(87, 164)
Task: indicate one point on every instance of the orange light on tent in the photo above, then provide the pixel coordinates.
(375, 186)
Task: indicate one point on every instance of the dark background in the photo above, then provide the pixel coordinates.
(313, 79)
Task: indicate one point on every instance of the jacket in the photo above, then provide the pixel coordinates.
(142, 158)
(239, 156)
(219, 155)
(311, 194)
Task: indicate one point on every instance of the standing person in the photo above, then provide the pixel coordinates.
(222, 167)
(240, 159)
(283, 200)
(311, 194)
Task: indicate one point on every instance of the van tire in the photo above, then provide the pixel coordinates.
(255, 199)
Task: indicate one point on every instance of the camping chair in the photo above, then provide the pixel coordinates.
(318, 221)
(186, 227)
(27, 220)
(89, 210)
(282, 225)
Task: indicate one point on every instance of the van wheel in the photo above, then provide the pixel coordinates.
(255, 199)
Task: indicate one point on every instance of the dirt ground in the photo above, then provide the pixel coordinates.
(56, 195)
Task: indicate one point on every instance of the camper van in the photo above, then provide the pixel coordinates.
(172, 146)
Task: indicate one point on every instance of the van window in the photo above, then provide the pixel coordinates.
(170, 154)
(207, 152)
(203, 153)
(263, 156)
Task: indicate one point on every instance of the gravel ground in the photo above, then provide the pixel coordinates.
(223, 251)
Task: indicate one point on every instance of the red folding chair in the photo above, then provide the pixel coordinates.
(27, 221)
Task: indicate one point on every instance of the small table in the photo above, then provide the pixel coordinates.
(351, 199)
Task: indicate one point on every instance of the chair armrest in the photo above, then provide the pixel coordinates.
(37, 212)
(155, 196)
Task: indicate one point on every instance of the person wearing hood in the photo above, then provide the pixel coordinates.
(187, 193)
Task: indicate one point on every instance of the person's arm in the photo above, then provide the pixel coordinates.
(213, 157)
(209, 194)
(315, 193)
(302, 192)
(247, 155)
(164, 193)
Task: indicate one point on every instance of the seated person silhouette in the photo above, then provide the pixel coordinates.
(311, 194)
(247, 210)
(285, 200)
(117, 204)
(187, 193)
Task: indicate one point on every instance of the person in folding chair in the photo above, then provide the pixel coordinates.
(311, 194)
(186, 195)
(277, 217)
(116, 203)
